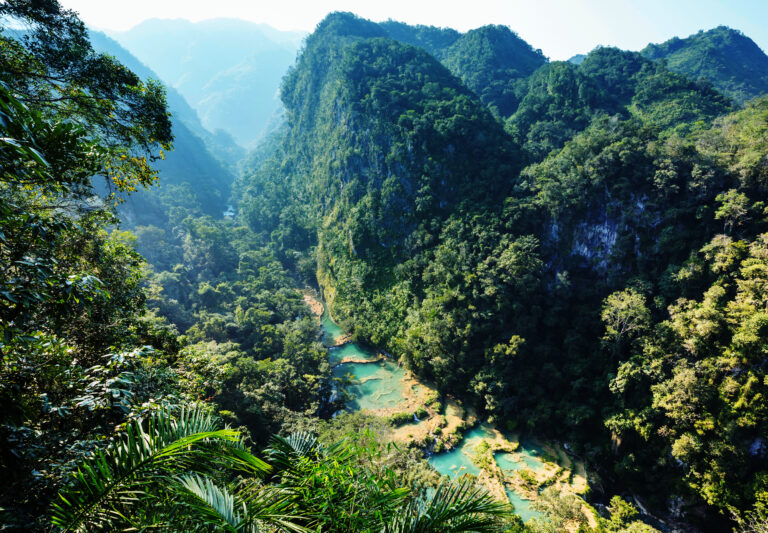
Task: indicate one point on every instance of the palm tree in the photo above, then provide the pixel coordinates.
(370, 499)
(178, 473)
(454, 508)
(160, 472)
(338, 487)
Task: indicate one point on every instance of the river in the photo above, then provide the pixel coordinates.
(503, 464)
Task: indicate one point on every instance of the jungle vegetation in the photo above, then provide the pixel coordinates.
(579, 251)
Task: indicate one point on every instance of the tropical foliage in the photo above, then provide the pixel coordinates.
(530, 280)
(175, 472)
(576, 250)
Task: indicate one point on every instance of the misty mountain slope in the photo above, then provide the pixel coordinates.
(226, 93)
(190, 164)
(730, 60)
(577, 59)
(228, 70)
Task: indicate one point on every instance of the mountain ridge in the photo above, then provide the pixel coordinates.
(190, 56)
(191, 162)
(730, 60)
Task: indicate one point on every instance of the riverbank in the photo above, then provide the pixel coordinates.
(324, 319)
(447, 430)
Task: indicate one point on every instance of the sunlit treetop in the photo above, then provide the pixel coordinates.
(47, 61)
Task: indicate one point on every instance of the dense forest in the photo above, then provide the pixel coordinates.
(576, 251)
(550, 282)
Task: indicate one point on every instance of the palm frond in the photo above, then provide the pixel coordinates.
(142, 461)
(454, 508)
(240, 512)
(284, 452)
(216, 506)
(234, 454)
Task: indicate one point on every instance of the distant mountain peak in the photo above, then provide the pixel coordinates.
(211, 63)
(577, 59)
(489, 60)
(730, 60)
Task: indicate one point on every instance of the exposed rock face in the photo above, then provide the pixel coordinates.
(759, 448)
(595, 241)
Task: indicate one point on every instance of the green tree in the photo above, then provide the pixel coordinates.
(52, 67)
(625, 315)
(733, 210)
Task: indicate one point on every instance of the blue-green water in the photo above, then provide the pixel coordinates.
(379, 385)
(507, 462)
(531, 455)
(458, 462)
(473, 437)
(351, 349)
(522, 506)
(526, 458)
(453, 464)
(331, 332)
(376, 385)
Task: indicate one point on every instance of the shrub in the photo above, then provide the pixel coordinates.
(400, 418)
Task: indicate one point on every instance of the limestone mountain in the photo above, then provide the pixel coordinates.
(730, 60)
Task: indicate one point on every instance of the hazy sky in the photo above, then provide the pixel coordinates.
(560, 28)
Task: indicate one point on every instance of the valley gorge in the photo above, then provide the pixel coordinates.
(443, 283)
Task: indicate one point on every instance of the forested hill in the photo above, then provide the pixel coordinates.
(553, 269)
(219, 144)
(190, 173)
(488, 60)
(730, 60)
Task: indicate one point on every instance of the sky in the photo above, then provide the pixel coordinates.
(560, 28)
